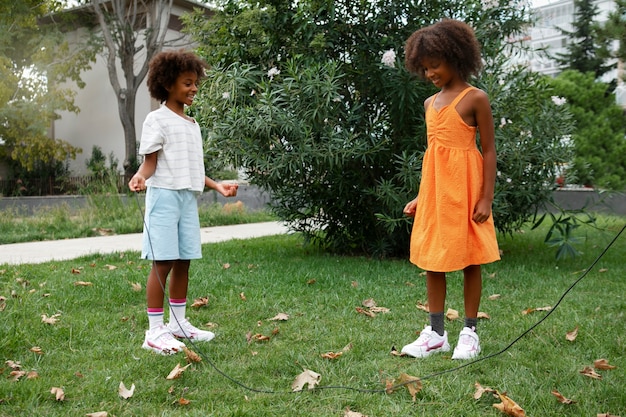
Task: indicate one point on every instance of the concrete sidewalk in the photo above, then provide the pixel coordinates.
(56, 250)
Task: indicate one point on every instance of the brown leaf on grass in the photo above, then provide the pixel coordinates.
(136, 286)
(3, 303)
(602, 364)
(280, 317)
(258, 337)
(98, 414)
(350, 413)
(82, 284)
(412, 384)
(124, 392)
(452, 314)
(480, 390)
(395, 352)
(532, 310)
(307, 377)
(15, 365)
(379, 310)
(509, 407)
(191, 356)
(32, 375)
(177, 371)
(354, 284)
(59, 395)
(561, 398)
(483, 315)
(603, 270)
(226, 266)
(37, 350)
(588, 371)
(369, 303)
(110, 267)
(331, 355)
(242, 296)
(494, 297)
(606, 415)
(571, 335)
(365, 312)
(50, 320)
(200, 302)
(75, 271)
(311, 281)
(183, 401)
(423, 307)
(16, 375)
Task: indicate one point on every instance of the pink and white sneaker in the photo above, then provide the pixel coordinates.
(160, 340)
(468, 346)
(428, 343)
(185, 330)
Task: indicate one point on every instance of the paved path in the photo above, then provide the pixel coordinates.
(56, 250)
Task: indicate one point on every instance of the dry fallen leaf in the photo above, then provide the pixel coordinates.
(494, 297)
(509, 407)
(423, 307)
(183, 401)
(483, 315)
(349, 413)
(191, 356)
(242, 296)
(571, 336)
(532, 310)
(32, 375)
(59, 395)
(136, 286)
(413, 384)
(15, 365)
(331, 355)
(258, 337)
(110, 267)
(177, 371)
(37, 350)
(124, 392)
(480, 390)
(280, 317)
(50, 320)
(98, 414)
(606, 415)
(75, 271)
(200, 302)
(588, 371)
(226, 266)
(602, 364)
(561, 398)
(307, 377)
(365, 311)
(395, 352)
(16, 375)
(452, 314)
(82, 284)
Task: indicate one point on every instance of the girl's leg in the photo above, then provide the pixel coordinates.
(436, 291)
(156, 282)
(180, 279)
(472, 289)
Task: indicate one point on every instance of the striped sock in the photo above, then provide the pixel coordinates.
(155, 317)
(178, 309)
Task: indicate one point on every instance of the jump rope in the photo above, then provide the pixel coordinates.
(205, 357)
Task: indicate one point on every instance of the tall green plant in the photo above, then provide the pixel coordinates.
(337, 135)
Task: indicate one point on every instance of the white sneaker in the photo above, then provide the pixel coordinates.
(469, 345)
(428, 343)
(160, 340)
(187, 331)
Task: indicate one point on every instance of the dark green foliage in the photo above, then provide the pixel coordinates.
(337, 136)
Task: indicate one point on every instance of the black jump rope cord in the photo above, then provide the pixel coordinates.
(385, 390)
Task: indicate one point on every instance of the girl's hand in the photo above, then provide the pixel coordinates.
(410, 207)
(227, 190)
(137, 183)
(482, 211)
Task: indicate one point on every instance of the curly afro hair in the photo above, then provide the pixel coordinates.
(450, 40)
(165, 67)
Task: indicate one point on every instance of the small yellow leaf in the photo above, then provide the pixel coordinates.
(124, 392)
(571, 336)
(331, 355)
(307, 377)
(509, 407)
(280, 317)
(177, 371)
(602, 364)
(561, 398)
(59, 395)
(494, 297)
(82, 284)
(588, 371)
(242, 296)
(452, 314)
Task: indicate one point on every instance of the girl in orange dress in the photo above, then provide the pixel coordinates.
(453, 227)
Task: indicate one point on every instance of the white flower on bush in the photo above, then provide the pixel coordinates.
(225, 95)
(559, 101)
(273, 72)
(389, 58)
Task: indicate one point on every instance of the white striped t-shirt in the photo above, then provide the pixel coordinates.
(180, 158)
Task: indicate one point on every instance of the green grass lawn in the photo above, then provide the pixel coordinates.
(96, 342)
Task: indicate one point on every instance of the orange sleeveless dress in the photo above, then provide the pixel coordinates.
(444, 236)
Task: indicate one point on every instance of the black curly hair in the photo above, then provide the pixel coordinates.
(165, 67)
(450, 40)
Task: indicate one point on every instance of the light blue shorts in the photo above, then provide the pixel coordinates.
(172, 227)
